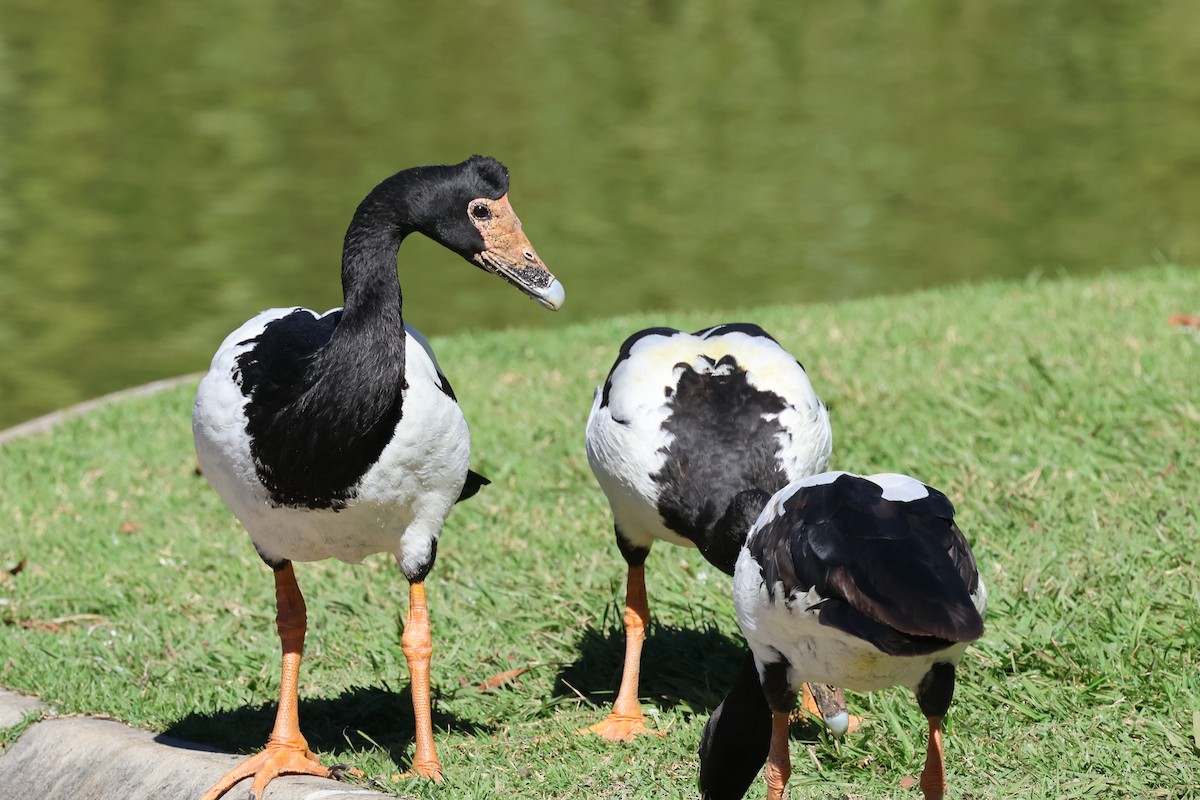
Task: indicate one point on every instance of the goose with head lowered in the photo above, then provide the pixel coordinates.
(336, 435)
(864, 582)
(683, 424)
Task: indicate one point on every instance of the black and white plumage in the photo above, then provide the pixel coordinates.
(682, 425)
(864, 582)
(336, 487)
(336, 435)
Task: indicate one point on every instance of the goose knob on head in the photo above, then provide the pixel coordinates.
(683, 424)
(863, 582)
(336, 435)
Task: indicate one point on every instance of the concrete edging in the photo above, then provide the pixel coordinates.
(48, 421)
(84, 758)
(15, 707)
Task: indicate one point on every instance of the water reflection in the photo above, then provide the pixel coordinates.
(166, 171)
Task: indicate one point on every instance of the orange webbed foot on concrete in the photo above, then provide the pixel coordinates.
(287, 750)
(275, 760)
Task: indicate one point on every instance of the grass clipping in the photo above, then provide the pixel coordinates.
(1061, 417)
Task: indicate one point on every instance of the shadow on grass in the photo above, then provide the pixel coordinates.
(688, 667)
(681, 667)
(359, 719)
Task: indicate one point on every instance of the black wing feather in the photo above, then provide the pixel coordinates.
(474, 483)
(304, 454)
(897, 574)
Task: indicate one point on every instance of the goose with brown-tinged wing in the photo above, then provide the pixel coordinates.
(863, 582)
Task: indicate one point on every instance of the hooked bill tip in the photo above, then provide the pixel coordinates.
(552, 296)
(839, 723)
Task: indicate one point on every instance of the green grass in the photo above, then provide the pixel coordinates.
(1060, 416)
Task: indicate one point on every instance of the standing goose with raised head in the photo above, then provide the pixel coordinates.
(864, 582)
(683, 424)
(336, 435)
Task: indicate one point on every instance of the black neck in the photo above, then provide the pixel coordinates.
(368, 345)
(722, 542)
(736, 738)
(370, 285)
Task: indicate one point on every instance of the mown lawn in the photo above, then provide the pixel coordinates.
(1061, 416)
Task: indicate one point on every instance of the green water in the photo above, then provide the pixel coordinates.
(169, 169)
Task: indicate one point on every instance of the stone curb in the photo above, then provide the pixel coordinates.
(15, 707)
(83, 758)
(48, 421)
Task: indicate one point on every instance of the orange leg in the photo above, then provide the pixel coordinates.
(626, 720)
(287, 751)
(779, 761)
(417, 643)
(933, 777)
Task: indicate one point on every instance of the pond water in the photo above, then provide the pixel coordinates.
(167, 170)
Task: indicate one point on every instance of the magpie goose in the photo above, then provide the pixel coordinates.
(336, 435)
(683, 424)
(863, 582)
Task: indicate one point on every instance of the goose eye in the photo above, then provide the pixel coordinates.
(480, 212)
